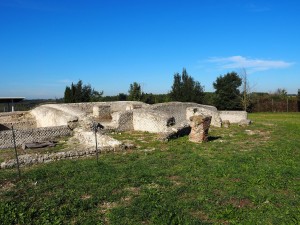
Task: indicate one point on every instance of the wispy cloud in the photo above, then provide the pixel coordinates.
(252, 65)
(257, 8)
(65, 81)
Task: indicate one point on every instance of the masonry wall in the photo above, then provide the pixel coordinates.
(178, 109)
(114, 106)
(233, 116)
(18, 125)
(151, 121)
(18, 119)
(32, 135)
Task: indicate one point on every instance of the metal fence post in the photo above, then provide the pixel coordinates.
(15, 146)
(95, 127)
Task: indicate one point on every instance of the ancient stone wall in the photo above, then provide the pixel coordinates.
(102, 112)
(87, 107)
(53, 115)
(20, 120)
(31, 159)
(32, 135)
(215, 120)
(123, 121)
(233, 116)
(178, 111)
(18, 125)
(151, 121)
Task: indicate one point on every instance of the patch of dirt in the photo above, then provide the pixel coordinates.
(133, 190)
(86, 196)
(153, 186)
(201, 215)
(106, 206)
(175, 180)
(239, 203)
(6, 186)
(268, 124)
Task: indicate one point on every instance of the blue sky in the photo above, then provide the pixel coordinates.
(47, 44)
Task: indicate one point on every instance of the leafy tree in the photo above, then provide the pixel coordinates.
(81, 93)
(209, 98)
(186, 89)
(227, 92)
(135, 92)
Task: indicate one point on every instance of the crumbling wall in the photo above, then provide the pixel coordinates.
(205, 111)
(233, 116)
(19, 120)
(123, 121)
(152, 121)
(53, 115)
(32, 135)
(102, 112)
(87, 107)
(179, 109)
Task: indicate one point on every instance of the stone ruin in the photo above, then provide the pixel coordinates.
(199, 128)
(170, 120)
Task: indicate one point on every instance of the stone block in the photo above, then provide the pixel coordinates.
(199, 128)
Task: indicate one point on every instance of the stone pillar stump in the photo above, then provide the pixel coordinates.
(199, 128)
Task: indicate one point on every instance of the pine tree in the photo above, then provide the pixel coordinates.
(186, 89)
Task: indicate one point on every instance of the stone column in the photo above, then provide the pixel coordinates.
(199, 128)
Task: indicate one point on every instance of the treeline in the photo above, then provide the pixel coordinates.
(232, 92)
(184, 89)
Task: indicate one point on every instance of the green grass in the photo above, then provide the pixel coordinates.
(242, 176)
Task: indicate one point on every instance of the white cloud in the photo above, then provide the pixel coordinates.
(252, 65)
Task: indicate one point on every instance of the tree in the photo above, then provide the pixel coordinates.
(81, 93)
(122, 97)
(186, 89)
(68, 95)
(280, 94)
(227, 92)
(135, 92)
(245, 97)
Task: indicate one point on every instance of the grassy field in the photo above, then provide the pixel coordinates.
(243, 175)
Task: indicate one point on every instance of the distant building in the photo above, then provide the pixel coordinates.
(10, 101)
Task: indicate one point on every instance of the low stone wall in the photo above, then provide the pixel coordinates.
(233, 116)
(32, 135)
(20, 120)
(179, 111)
(30, 159)
(18, 125)
(102, 112)
(12, 116)
(55, 115)
(87, 107)
(194, 111)
(151, 121)
(123, 121)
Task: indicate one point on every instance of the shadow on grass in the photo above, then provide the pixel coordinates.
(213, 138)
